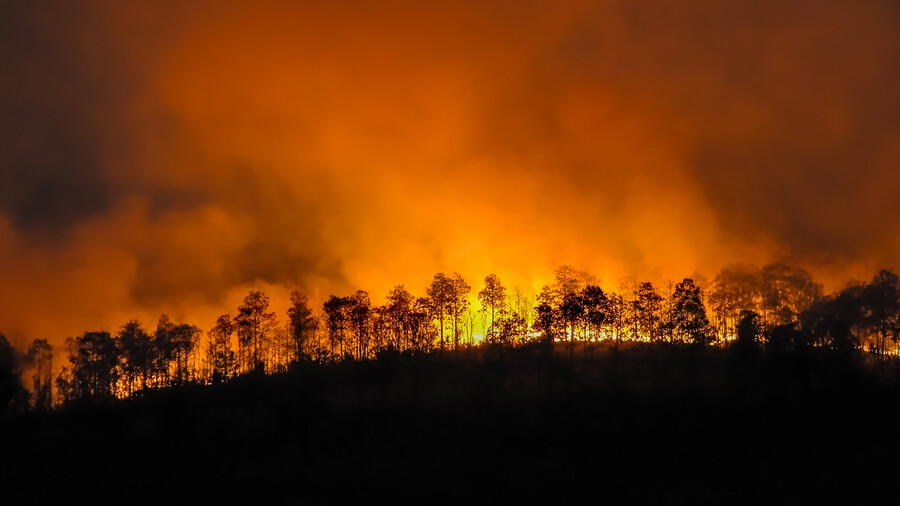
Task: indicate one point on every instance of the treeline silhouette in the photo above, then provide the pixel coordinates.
(775, 308)
(757, 389)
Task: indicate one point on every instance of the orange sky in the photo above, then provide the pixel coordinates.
(170, 157)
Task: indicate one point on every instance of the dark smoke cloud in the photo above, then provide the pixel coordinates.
(52, 125)
(172, 155)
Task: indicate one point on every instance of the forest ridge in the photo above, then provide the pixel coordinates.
(774, 307)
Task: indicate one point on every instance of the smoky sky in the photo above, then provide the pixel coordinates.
(168, 156)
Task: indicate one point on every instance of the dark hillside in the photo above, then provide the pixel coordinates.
(648, 423)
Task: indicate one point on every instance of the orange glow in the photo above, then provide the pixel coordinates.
(329, 148)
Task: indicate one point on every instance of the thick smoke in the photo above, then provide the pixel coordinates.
(170, 156)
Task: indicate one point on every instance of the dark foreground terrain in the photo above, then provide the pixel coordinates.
(646, 424)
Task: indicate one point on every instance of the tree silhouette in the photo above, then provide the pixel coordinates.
(509, 325)
(398, 310)
(219, 354)
(837, 330)
(689, 314)
(382, 334)
(336, 317)
(563, 298)
(253, 320)
(12, 393)
(545, 321)
(571, 310)
(163, 351)
(421, 323)
(596, 307)
(174, 344)
(360, 309)
(184, 339)
(492, 298)
(137, 352)
(880, 307)
(441, 293)
(521, 307)
(784, 292)
(647, 311)
(457, 304)
(303, 323)
(93, 358)
(40, 359)
(569, 280)
(749, 328)
(735, 289)
(615, 315)
(783, 338)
